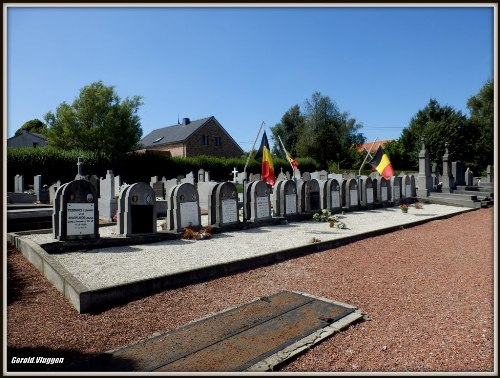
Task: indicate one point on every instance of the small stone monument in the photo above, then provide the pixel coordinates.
(75, 210)
(285, 199)
(446, 178)
(136, 210)
(396, 183)
(333, 201)
(312, 203)
(424, 172)
(260, 202)
(185, 207)
(223, 208)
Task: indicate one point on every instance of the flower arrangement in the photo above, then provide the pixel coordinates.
(197, 232)
(326, 216)
(403, 205)
(419, 205)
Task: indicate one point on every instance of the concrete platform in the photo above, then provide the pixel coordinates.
(94, 279)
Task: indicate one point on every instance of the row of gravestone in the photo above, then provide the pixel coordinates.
(76, 205)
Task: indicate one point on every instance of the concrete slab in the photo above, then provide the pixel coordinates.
(256, 336)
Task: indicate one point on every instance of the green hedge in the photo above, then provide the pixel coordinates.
(56, 165)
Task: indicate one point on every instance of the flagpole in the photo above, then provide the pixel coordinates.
(364, 161)
(286, 153)
(255, 141)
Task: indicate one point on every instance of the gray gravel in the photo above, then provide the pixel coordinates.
(106, 267)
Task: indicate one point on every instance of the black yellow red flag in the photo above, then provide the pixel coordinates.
(264, 154)
(382, 164)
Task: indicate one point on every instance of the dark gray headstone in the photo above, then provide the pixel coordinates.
(312, 201)
(367, 192)
(78, 212)
(396, 189)
(137, 210)
(223, 208)
(469, 177)
(333, 200)
(260, 201)
(352, 194)
(185, 205)
(306, 176)
(285, 200)
(406, 191)
(108, 200)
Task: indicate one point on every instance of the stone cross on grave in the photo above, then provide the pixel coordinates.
(79, 176)
(234, 172)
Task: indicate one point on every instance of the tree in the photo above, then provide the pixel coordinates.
(437, 125)
(481, 107)
(322, 133)
(291, 126)
(33, 126)
(96, 121)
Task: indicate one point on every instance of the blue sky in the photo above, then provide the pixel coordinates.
(248, 65)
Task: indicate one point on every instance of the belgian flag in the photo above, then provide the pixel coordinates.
(382, 164)
(264, 154)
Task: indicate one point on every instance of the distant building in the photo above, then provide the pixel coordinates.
(27, 139)
(370, 148)
(192, 138)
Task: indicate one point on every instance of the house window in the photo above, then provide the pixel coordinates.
(205, 140)
(217, 141)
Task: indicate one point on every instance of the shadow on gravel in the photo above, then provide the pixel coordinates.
(63, 360)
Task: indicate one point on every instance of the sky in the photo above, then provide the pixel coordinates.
(248, 65)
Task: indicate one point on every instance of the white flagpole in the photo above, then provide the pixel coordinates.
(359, 173)
(286, 153)
(250, 154)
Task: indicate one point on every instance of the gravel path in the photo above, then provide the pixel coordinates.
(428, 291)
(106, 267)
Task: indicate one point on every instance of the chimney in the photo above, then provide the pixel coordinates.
(185, 121)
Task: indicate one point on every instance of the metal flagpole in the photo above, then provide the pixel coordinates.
(286, 153)
(362, 164)
(245, 215)
(255, 141)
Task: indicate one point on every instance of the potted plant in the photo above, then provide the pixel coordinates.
(404, 207)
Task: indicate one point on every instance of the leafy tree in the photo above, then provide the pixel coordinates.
(96, 121)
(481, 107)
(33, 126)
(437, 125)
(323, 132)
(291, 126)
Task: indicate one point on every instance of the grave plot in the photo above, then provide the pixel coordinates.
(256, 336)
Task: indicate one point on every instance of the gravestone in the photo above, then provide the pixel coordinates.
(375, 183)
(159, 189)
(242, 176)
(458, 172)
(396, 191)
(367, 192)
(446, 178)
(489, 174)
(204, 189)
(41, 192)
(323, 194)
(189, 178)
(185, 206)
(333, 200)
(281, 176)
(108, 200)
(301, 196)
(306, 176)
(223, 208)
(413, 186)
(94, 180)
(137, 210)
(201, 175)
(254, 177)
(76, 210)
(424, 172)
(343, 193)
(383, 190)
(469, 177)
(285, 200)
(260, 202)
(19, 184)
(296, 174)
(312, 201)
(320, 175)
(52, 191)
(352, 198)
(118, 184)
(406, 187)
(169, 184)
(435, 176)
